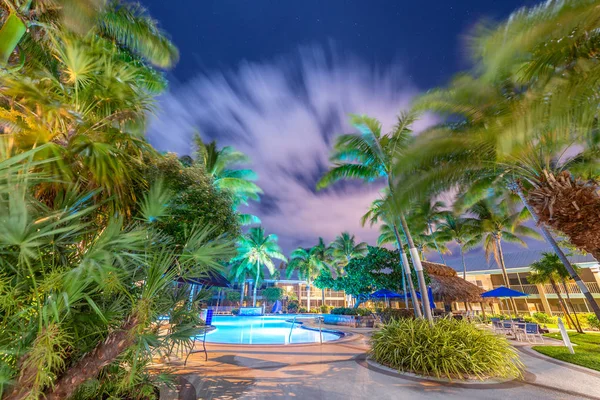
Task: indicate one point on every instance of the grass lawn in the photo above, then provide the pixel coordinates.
(587, 351)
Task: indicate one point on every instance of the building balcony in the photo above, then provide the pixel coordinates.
(572, 288)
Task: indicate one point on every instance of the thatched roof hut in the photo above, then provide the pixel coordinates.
(448, 287)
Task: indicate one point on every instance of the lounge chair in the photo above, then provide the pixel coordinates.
(532, 333)
(201, 335)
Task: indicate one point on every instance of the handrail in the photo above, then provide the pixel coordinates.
(291, 328)
(320, 328)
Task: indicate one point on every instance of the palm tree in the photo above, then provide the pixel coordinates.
(368, 156)
(220, 164)
(498, 221)
(513, 124)
(344, 248)
(380, 210)
(466, 232)
(549, 269)
(72, 281)
(29, 23)
(255, 251)
(431, 213)
(309, 263)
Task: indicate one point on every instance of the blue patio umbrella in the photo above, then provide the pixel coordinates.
(429, 294)
(384, 293)
(504, 292)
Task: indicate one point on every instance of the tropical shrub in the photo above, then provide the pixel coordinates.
(302, 310)
(235, 311)
(293, 306)
(324, 309)
(543, 318)
(272, 294)
(389, 314)
(232, 296)
(350, 311)
(449, 348)
(593, 321)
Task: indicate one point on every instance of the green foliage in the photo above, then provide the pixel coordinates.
(235, 311)
(350, 311)
(543, 318)
(388, 314)
(593, 321)
(379, 269)
(194, 199)
(272, 294)
(325, 309)
(232, 296)
(449, 348)
(292, 306)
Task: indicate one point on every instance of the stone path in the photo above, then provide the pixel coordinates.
(339, 371)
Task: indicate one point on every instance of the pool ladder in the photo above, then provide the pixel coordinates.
(291, 329)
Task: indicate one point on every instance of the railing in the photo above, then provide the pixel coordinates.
(529, 289)
(316, 294)
(593, 287)
(572, 288)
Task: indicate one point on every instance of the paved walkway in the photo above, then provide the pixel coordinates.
(339, 371)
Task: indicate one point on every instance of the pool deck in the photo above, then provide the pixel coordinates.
(339, 370)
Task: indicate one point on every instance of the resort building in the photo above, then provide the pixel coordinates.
(542, 298)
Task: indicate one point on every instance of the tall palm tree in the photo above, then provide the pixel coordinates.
(466, 232)
(530, 102)
(380, 210)
(549, 269)
(498, 222)
(368, 156)
(309, 263)
(221, 165)
(431, 213)
(255, 251)
(344, 248)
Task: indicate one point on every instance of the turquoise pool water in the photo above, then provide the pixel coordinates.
(262, 330)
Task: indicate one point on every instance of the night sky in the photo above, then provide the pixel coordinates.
(277, 80)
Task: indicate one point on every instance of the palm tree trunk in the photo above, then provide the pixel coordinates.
(435, 243)
(308, 297)
(255, 288)
(242, 290)
(563, 305)
(92, 363)
(516, 187)
(322, 297)
(407, 272)
(419, 268)
(570, 303)
(504, 273)
(462, 256)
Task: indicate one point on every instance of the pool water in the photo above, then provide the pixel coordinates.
(263, 330)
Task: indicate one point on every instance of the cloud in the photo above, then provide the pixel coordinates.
(285, 115)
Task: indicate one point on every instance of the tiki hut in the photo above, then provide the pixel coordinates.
(448, 287)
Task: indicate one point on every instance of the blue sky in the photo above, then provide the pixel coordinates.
(277, 80)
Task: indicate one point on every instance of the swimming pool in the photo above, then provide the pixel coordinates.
(263, 330)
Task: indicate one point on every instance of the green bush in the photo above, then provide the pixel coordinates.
(235, 311)
(302, 310)
(388, 314)
(449, 348)
(292, 306)
(592, 321)
(350, 311)
(325, 309)
(543, 318)
(272, 294)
